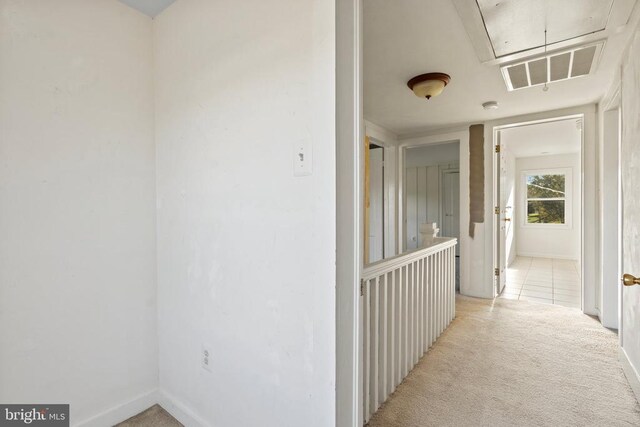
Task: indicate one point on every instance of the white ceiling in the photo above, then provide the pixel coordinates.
(149, 7)
(543, 139)
(404, 38)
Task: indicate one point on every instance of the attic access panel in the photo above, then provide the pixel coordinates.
(553, 67)
(518, 25)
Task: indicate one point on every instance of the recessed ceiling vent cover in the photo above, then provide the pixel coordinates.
(553, 67)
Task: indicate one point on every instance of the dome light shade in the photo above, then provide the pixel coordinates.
(429, 85)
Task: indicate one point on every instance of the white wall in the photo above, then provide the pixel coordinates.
(440, 154)
(630, 158)
(77, 190)
(422, 178)
(609, 129)
(246, 251)
(549, 241)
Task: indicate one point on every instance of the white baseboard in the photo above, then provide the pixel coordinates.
(121, 412)
(180, 411)
(631, 373)
(542, 255)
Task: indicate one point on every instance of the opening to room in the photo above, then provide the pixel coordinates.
(539, 212)
(431, 196)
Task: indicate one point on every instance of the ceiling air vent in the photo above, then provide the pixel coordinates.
(553, 67)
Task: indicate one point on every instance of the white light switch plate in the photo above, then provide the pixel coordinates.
(302, 158)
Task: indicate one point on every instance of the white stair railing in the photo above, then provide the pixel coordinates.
(408, 301)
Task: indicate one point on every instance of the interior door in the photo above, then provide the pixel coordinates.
(629, 330)
(506, 237)
(500, 257)
(451, 205)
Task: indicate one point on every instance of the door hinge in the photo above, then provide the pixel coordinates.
(496, 210)
(497, 148)
(361, 287)
(496, 271)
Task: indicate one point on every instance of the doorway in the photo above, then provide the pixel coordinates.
(538, 189)
(431, 193)
(376, 202)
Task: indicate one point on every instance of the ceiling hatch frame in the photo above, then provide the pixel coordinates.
(472, 19)
(557, 66)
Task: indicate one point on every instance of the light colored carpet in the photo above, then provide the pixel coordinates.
(155, 416)
(515, 363)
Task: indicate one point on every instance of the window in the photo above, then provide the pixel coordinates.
(546, 197)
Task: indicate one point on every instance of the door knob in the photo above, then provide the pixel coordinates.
(506, 219)
(629, 280)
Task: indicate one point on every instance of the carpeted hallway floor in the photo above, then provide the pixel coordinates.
(515, 363)
(155, 416)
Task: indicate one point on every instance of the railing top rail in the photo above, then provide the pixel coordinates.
(387, 265)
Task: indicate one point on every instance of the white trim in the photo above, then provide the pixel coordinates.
(568, 197)
(630, 372)
(380, 133)
(381, 267)
(609, 212)
(120, 412)
(349, 225)
(135, 406)
(180, 411)
(389, 145)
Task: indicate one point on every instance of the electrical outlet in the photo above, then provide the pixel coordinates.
(205, 357)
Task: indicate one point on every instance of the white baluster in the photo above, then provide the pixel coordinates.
(367, 343)
(392, 342)
(376, 342)
(384, 347)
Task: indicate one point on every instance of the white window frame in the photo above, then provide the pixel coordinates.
(568, 197)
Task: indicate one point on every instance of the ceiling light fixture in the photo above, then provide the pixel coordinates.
(429, 85)
(490, 105)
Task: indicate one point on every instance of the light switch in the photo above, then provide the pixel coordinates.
(302, 158)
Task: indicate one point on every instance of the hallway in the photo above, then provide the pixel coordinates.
(503, 360)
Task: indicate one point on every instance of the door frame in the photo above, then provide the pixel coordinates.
(611, 226)
(497, 244)
(349, 221)
(384, 202)
(390, 197)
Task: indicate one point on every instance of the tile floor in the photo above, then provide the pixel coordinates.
(545, 280)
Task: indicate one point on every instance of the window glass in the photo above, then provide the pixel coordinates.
(546, 198)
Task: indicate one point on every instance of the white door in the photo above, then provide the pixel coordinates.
(451, 205)
(500, 220)
(376, 200)
(629, 163)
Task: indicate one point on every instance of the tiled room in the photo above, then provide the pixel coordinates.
(544, 280)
